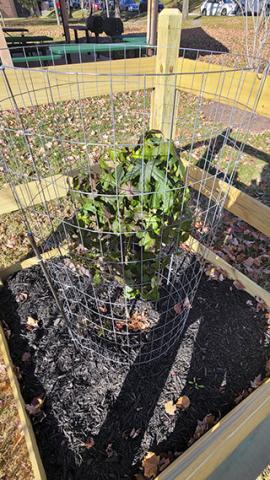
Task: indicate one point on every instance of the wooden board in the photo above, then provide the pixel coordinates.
(30, 262)
(33, 87)
(251, 287)
(33, 193)
(207, 454)
(242, 89)
(239, 203)
(65, 82)
(26, 426)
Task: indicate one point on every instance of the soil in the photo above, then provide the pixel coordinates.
(223, 348)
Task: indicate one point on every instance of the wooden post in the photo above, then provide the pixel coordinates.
(5, 56)
(185, 9)
(165, 98)
(64, 15)
(149, 10)
(154, 20)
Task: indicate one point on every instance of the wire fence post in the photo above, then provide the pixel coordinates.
(164, 99)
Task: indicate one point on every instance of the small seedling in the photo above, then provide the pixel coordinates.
(195, 383)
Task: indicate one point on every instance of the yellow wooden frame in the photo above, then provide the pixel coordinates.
(33, 87)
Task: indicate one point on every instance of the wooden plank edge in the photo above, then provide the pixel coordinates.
(253, 212)
(31, 262)
(30, 440)
(237, 202)
(207, 454)
(251, 287)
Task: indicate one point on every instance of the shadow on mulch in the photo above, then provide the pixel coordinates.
(197, 39)
(222, 349)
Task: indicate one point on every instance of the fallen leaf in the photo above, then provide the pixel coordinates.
(31, 323)
(21, 297)
(256, 382)
(11, 242)
(248, 262)
(26, 356)
(239, 398)
(261, 305)
(170, 407)
(102, 309)
(202, 427)
(187, 303)
(109, 450)
(34, 407)
(150, 464)
(4, 386)
(178, 308)
(238, 285)
(183, 402)
(120, 325)
(137, 322)
(89, 443)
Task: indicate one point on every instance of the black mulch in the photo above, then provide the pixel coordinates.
(223, 348)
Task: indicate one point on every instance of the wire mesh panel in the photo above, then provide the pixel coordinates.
(114, 205)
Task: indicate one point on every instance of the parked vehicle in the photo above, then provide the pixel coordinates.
(143, 6)
(253, 7)
(219, 7)
(75, 4)
(129, 6)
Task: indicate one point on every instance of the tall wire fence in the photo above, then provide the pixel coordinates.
(115, 206)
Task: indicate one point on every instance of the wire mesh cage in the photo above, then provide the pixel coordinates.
(115, 202)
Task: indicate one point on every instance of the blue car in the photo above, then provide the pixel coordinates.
(129, 6)
(143, 6)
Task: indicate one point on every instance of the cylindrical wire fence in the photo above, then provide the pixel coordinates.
(115, 205)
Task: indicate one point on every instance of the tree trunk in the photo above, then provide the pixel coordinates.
(185, 9)
(117, 9)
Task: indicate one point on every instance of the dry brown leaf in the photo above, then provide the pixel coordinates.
(21, 297)
(31, 323)
(178, 308)
(202, 427)
(89, 443)
(238, 285)
(35, 406)
(137, 322)
(120, 325)
(170, 407)
(239, 398)
(150, 464)
(26, 357)
(256, 382)
(11, 242)
(4, 386)
(183, 402)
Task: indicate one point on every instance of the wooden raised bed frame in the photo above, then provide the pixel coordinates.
(200, 460)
